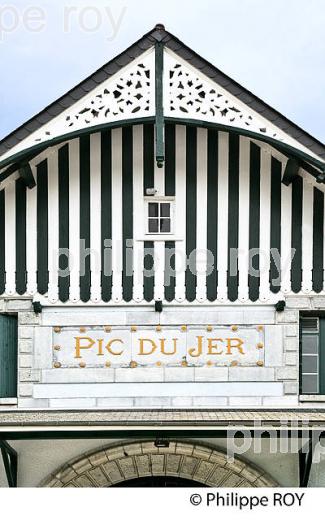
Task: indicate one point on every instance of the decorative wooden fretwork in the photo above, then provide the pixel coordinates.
(191, 95)
(128, 94)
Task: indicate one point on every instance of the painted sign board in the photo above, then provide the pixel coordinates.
(161, 346)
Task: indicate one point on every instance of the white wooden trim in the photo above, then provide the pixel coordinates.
(286, 218)
(31, 238)
(53, 225)
(223, 168)
(159, 259)
(201, 219)
(307, 237)
(180, 212)
(74, 219)
(10, 237)
(243, 224)
(117, 227)
(138, 209)
(265, 225)
(95, 217)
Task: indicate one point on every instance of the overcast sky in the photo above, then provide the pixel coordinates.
(275, 48)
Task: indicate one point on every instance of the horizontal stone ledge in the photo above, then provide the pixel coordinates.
(210, 389)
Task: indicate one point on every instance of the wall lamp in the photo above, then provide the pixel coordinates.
(37, 306)
(158, 306)
(162, 443)
(280, 306)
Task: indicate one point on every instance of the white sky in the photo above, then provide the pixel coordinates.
(275, 48)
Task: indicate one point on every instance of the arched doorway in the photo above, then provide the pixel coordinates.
(142, 464)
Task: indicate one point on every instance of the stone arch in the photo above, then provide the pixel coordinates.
(131, 460)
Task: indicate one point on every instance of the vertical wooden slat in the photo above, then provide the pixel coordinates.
(223, 193)
(296, 236)
(21, 275)
(53, 223)
(127, 215)
(42, 228)
(170, 277)
(254, 218)
(74, 221)
(95, 217)
(148, 276)
(64, 223)
(159, 270)
(138, 205)
(10, 234)
(191, 212)
(233, 217)
(106, 214)
(170, 153)
(117, 250)
(212, 213)
(318, 240)
(265, 226)
(85, 276)
(243, 218)
(201, 218)
(31, 239)
(275, 231)
(148, 157)
(180, 213)
(307, 237)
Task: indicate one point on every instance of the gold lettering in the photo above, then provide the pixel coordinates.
(141, 349)
(80, 347)
(237, 345)
(163, 349)
(109, 347)
(199, 348)
(100, 347)
(213, 346)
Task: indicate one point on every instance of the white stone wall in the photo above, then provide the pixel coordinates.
(276, 384)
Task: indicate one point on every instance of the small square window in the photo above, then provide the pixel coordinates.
(165, 225)
(153, 209)
(153, 225)
(165, 210)
(159, 217)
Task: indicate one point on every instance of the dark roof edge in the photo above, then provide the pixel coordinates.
(136, 49)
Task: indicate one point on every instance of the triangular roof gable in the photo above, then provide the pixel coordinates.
(220, 99)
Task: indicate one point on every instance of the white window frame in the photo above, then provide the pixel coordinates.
(159, 236)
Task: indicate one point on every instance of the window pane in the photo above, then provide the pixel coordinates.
(165, 210)
(309, 385)
(153, 209)
(165, 225)
(310, 344)
(153, 225)
(309, 364)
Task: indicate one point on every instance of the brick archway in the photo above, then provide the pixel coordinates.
(128, 461)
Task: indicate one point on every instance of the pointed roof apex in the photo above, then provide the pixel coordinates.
(172, 43)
